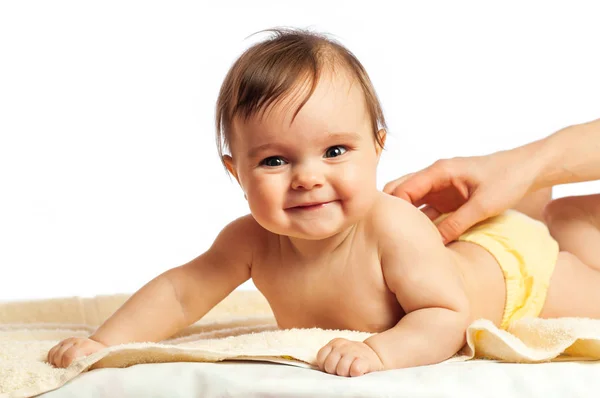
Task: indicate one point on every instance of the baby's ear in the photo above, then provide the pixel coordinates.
(228, 160)
(381, 136)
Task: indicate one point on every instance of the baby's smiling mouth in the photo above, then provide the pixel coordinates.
(309, 206)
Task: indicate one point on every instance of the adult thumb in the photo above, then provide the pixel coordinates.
(458, 222)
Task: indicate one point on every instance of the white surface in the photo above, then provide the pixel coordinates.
(108, 169)
(241, 379)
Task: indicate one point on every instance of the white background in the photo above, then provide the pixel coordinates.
(108, 168)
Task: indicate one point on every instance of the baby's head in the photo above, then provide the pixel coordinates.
(304, 130)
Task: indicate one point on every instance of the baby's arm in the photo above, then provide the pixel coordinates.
(174, 299)
(422, 273)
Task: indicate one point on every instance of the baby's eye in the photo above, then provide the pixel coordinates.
(335, 151)
(273, 161)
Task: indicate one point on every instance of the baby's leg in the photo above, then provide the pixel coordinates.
(574, 290)
(575, 286)
(533, 204)
(575, 224)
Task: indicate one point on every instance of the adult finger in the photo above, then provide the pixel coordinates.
(462, 219)
(431, 212)
(414, 188)
(390, 186)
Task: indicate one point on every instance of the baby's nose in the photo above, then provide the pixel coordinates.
(307, 177)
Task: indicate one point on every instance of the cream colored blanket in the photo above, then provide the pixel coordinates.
(240, 327)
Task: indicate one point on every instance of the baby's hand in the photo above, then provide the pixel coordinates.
(348, 358)
(62, 354)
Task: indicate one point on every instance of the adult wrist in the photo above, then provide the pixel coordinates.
(541, 158)
(528, 161)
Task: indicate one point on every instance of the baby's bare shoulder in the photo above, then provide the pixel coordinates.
(394, 219)
(242, 237)
(247, 225)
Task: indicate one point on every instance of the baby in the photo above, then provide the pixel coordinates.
(300, 128)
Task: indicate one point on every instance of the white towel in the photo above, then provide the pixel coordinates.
(240, 327)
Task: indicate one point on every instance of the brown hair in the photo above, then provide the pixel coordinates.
(269, 70)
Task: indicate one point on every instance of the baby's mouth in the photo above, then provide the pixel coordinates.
(309, 206)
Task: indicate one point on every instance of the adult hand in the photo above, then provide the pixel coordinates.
(474, 188)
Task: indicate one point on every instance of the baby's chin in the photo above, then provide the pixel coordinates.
(315, 236)
(313, 226)
(316, 233)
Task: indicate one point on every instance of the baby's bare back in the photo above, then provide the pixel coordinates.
(483, 281)
(344, 289)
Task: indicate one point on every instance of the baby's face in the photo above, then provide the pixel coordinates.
(314, 177)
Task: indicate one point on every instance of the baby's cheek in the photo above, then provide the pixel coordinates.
(357, 179)
(267, 197)
(357, 196)
(258, 200)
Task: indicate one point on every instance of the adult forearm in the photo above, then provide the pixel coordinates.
(423, 337)
(569, 155)
(151, 314)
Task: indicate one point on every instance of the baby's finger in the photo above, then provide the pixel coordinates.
(359, 367)
(51, 354)
(322, 356)
(343, 366)
(331, 361)
(69, 356)
(59, 358)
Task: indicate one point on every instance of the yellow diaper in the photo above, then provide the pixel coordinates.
(526, 253)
